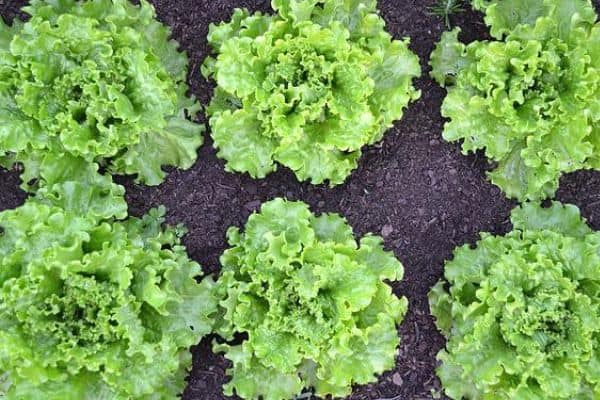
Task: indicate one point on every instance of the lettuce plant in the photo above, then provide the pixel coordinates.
(312, 302)
(93, 309)
(306, 88)
(531, 98)
(522, 311)
(94, 82)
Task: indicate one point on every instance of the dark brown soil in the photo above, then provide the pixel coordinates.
(414, 188)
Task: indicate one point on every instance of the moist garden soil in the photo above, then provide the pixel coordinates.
(416, 190)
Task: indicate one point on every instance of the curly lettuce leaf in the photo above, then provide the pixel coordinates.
(448, 58)
(561, 218)
(312, 301)
(80, 188)
(530, 99)
(306, 88)
(521, 312)
(96, 309)
(505, 16)
(99, 81)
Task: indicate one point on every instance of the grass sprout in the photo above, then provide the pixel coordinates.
(445, 8)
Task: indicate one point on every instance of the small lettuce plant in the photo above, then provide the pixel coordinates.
(521, 312)
(93, 82)
(531, 98)
(313, 303)
(96, 309)
(307, 87)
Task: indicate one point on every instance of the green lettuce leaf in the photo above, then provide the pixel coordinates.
(313, 302)
(306, 88)
(80, 189)
(96, 309)
(530, 100)
(448, 59)
(521, 312)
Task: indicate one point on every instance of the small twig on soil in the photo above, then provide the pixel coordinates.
(417, 332)
(209, 373)
(225, 186)
(304, 396)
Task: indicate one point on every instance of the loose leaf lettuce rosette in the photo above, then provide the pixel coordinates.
(93, 309)
(522, 311)
(312, 302)
(307, 87)
(530, 99)
(90, 85)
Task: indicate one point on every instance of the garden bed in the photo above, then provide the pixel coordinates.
(416, 190)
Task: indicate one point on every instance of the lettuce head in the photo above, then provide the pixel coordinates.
(313, 305)
(530, 98)
(307, 87)
(96, 309)
(521, 312)
(89, 86)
